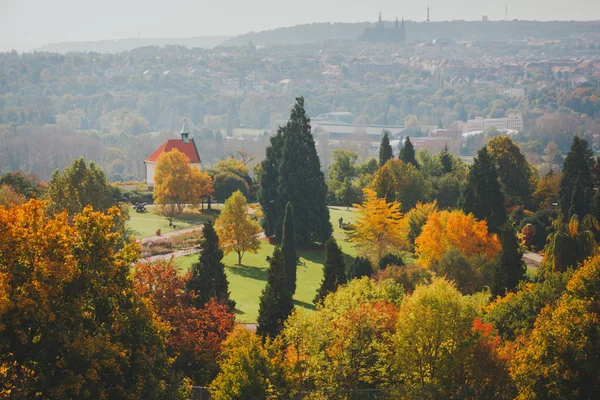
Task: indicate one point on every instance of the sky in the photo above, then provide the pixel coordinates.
(28, 24)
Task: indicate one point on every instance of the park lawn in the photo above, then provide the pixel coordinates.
(247, 282)
(145, 225)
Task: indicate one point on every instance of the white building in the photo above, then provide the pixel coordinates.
(513, 121)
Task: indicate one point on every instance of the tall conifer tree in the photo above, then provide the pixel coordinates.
(385, 149)
(482, 195)
(576, 184)
(269, 181)
(510, 269)
(446, 160)
(301, 181)
(276, 302)
(208, 274)
(407, 154)
(334, 270)
(288, 248)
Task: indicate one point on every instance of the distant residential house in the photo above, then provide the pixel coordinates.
(185, 145)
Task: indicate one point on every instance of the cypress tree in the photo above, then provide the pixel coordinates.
(482, 195)
(359, 268)
(276, 302)
(334, 270)
(407, 154)
(446, 160)
(288, 248)
(385, 149)
(510, 269)
(208, 274)
(576, 184)
(269, 180)
(301, 181)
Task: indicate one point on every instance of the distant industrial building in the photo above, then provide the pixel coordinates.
(340, 126)
(513, 121)
(381, 34)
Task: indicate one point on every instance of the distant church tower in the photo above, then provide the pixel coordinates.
(427, 13)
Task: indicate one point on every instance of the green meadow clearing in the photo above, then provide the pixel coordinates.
(145, 225)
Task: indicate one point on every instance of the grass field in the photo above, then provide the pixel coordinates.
(247, 282)
(145, 225)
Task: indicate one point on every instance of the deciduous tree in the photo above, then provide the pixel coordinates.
(401, 182)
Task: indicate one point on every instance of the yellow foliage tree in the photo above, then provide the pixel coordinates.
(177, 183)
(237, 231)
(378, 227)
(446, 230)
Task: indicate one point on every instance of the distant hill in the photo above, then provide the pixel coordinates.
(456, 30)
(116, 46)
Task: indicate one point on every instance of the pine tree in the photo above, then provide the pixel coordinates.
(276, 302)
(576, 184)
(301, 181)
(288, 248)
(510, 269)
(269, 181)
(334, 270)
(482, 195)
(359, 268)
(407, 154)
(385, 149)
(446, 160)
(208, 274)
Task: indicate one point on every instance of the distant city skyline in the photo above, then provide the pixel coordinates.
(29, 24)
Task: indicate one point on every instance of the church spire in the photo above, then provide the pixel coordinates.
(379, 16)
(396, 23)
(185, 132)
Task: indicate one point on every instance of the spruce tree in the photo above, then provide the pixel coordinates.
(288, 248)
(482, 195)
(446, 160)
(301, 181)
(576, 184)
(407, 154)
(208, 274)
(510, 269)
(334, 270)
(385, 149)
(269, 181)
(359, 268)
(276, 302)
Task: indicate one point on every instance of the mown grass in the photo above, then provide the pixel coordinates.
(146, 225)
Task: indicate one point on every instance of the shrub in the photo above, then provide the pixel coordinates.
(390, 259)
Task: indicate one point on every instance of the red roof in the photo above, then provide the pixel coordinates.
(189, 149)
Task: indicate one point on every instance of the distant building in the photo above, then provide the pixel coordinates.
(514, 92)
(185, 145)
(513, 121)
(381, 34)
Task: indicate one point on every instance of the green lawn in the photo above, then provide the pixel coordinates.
(247, 282)
(145, 225)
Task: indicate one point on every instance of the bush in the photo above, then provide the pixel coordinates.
(467, 273)
(359, 268)
(408, 276)
(226, 183)
(390, 259)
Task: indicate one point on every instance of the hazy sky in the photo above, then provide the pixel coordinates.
(27, 24)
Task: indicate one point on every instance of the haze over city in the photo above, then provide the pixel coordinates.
(29, 24)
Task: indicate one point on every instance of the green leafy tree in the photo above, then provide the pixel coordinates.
(208, 278)
(276, 302)
(334, 270)
(288, 248)
(482, 195)
(407, 154)
(510, 268)
(401, 182)
(576, 184)
(227, 183)
(269, 181)
(385, 149)
(26, 185)
(360, 267)
(301, 181)
(342, 174)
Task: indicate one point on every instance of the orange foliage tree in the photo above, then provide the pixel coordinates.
(71, 325)
(446, 230)
(177, 183)
(378, 228)
(195, 334)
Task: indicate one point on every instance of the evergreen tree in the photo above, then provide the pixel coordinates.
(269, 181)
(510, 269)
(301, 181)
(288, 248)
(482, 195)
(334, 270)
(385, 149)
(359, 268)
(390, 259)
(576, 184)
(407, 154)
(208, 274)
(446, 160)
(276, 302)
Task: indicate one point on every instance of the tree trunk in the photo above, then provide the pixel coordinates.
(239, 258)
(208, 203)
